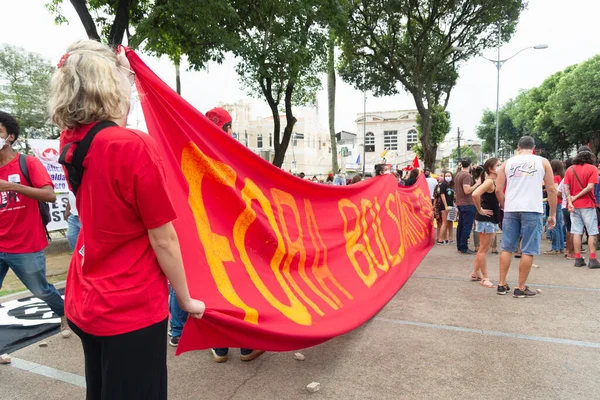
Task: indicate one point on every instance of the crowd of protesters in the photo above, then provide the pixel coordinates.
(518, 198)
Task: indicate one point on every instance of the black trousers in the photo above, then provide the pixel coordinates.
(131, 366)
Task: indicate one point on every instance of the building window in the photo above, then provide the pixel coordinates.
(370, 142)
(411, 139)
(259, 143)
(390, 140)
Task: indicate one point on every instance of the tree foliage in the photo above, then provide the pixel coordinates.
(391, 42)
(113, 17)
(281, 45)
(24, 92)
(561, 113)
(466, 153)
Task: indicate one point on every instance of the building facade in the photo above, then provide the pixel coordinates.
(388, 135)
(309, 150)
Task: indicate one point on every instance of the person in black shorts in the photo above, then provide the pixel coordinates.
(446, 201)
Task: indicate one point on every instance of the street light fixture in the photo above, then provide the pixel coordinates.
(499, 63)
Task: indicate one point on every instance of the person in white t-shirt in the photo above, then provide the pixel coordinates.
(431, 182)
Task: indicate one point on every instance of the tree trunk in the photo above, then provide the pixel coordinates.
(86, 19)
(331, 101)
(120, 24)
(595, 144)
(429, 150)
(289, 127)
(177, 78)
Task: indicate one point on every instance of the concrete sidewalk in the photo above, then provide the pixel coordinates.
(441, 337)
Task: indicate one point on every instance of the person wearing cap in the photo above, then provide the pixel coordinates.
(221, 118)
(580, 180)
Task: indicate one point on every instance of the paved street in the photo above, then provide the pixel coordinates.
(441, 337)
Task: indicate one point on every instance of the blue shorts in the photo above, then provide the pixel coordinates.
(581, 217)
(486, 227)
(526, 225)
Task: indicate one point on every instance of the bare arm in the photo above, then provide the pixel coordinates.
(443, 197)
(487, 185)
(584, 192)
(45, 193)
(551, 192)
(166, 246)
(470, 189)
(501, 184)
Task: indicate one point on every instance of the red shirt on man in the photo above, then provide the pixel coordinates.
(115, 284)
(21, 227)
(587, 174)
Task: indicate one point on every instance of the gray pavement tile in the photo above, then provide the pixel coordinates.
(16, 384)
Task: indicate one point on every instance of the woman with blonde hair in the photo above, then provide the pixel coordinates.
(116, 301)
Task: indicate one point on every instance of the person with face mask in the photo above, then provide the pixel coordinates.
(446, 201)
(22, 232)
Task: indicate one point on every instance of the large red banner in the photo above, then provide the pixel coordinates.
(281, 263)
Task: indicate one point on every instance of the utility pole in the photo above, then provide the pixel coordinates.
(458, 137)
(364, 160)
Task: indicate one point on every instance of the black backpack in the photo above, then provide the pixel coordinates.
(42, 205)
(75, 167)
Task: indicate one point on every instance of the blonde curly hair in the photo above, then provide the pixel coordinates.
(88, 86)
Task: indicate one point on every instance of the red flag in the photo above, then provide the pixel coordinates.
(415, 163)
(281, 263)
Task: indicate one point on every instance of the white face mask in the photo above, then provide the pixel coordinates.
(3, 142)
(448, 179)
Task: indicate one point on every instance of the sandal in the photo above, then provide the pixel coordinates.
(494, 251)
(487, 283)
(475, 278)
(450, 241)
(518, 255)
(441, 242)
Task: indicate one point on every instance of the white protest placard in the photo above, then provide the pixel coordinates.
(47, 152)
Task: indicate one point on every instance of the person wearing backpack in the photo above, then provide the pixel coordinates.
(25, 186)
(117, 294)
(581, 202)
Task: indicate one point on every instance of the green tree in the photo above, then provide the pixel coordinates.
(26, 77)
(387, 42)
(112, 16)
(576, 103)
(466, 153)
(281, 44)
(440, 126)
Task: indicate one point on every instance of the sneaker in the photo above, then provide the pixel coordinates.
(521, 294)
(579, 262)
(502, 290)
(219, 356)
(65, 331)
(174, 341)
(252, 355)
(570, 256)
(593, 263)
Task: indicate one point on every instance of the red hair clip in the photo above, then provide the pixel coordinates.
(62, 61)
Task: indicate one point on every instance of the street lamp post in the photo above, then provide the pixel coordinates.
(364, 160)
(499, 63)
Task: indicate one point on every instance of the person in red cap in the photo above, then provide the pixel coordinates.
(221, 118)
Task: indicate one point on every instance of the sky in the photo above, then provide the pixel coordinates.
(568, 28)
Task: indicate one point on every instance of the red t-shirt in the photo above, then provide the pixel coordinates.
(21, 227)
(115, 284)
(587, 174)
(557, 179)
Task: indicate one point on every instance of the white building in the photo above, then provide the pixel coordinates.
(309, 150)
(395, 131)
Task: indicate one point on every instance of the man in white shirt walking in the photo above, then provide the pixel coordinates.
(523, 204)
(431, 182)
